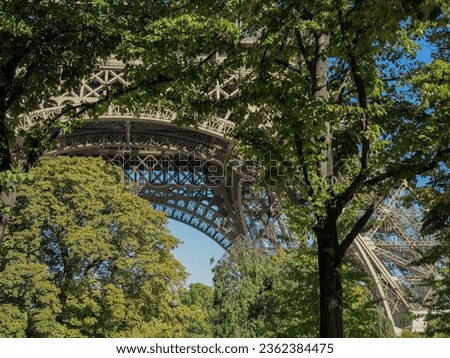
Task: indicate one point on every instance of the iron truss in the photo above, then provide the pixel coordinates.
(189, 173)
(179, 171)
(390, 252)
(186, 173)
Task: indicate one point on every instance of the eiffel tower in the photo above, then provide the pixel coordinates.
(183, 172)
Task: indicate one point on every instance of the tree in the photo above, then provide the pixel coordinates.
(195, 312)
(261, 295)
(84, 257)
(332, 93)
(48, 47)
(240, 284)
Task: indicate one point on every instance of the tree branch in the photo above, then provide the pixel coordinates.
(304, 52)
(359, 226)
(362, 100)
(301, 156)
(287, 65)
(398, 172)
(351, 190)
(340, 90)
(348, 194)
(218, 72)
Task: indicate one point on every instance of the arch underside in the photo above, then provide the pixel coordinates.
(180, 171)
(220, 202)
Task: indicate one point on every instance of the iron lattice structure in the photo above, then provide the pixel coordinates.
(390, 252)
(183, 172)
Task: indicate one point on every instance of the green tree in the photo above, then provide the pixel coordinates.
(84, 257)
(48, 47)
(261, 295)
(240, 281)
(195, 311)
(334, 89)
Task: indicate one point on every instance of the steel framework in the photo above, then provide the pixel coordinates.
(186, 172)
(390, 252)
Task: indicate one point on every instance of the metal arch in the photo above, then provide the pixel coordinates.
(117, 135)
(180, 171)
(111, 74)
(135, 135)
(215, 126)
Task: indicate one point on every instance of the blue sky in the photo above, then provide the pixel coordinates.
(195, 252)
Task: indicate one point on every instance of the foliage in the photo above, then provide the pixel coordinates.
(332, 87)
(335, 89)
(260, 295)
(241, 281)
(195, 311)
(84, 257)
(406, 333)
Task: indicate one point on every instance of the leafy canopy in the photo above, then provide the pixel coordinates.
(84, 257)
(260, 295)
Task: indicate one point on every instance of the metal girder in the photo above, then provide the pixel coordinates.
(181, 172)
(110, 75)
(195, 187)
(178, 171)
(390, 251)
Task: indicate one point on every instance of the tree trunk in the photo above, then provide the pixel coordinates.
(331, 308)
(6, 197)
(331, 325)
(321, 91)
(9, 200)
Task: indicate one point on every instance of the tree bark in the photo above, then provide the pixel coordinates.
(5, 164)
(331, 300)
(330, 283)
(9, 200)
(320, 90)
